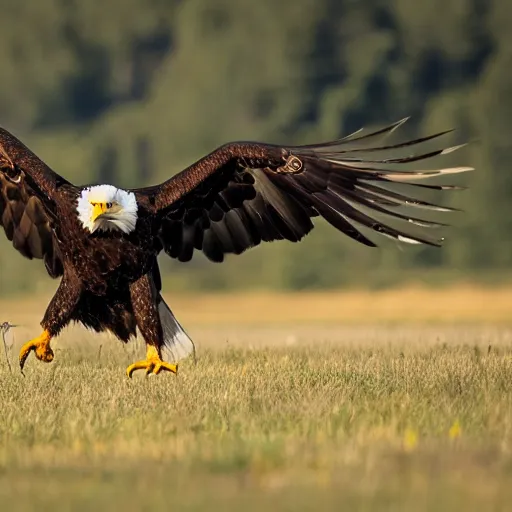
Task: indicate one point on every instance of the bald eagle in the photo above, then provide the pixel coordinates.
(103, 241)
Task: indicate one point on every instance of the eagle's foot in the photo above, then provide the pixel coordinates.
(153, 364)
(41, 348)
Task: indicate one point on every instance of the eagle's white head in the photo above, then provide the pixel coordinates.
(106, 207)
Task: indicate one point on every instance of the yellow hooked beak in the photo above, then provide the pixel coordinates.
(98, 209)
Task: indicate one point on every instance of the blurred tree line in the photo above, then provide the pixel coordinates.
(132, 91)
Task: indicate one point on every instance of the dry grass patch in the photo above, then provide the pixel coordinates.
(412, 304)
(290, 417)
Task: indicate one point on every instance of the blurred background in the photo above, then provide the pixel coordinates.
(132, 91)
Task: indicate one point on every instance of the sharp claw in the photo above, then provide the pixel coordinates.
(41, 348)
(23, 358)
(152, 366)
(139, 365)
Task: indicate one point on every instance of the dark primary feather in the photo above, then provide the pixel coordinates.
(27, 225)
(243, 194)
(25, 182)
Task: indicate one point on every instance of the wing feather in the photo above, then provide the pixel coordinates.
(243, 194)
(26, 183)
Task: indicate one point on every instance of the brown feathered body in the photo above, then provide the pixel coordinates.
(237, 197)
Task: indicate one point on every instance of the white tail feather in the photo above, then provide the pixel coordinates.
(177, 345)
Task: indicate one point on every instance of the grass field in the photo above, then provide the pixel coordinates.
(337, 410)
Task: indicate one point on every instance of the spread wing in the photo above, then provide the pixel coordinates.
(26, 206)
(243, 194)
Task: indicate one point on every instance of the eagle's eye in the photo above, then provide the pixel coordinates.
(109, 205)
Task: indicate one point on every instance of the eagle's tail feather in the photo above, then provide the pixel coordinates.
(177, 344)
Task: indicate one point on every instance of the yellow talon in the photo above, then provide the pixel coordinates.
(153, 364)
(41, 347)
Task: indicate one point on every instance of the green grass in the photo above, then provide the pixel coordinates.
(338, 418)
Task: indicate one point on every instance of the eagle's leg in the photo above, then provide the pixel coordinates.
(57, 316)
(143, 296)
(41, 348)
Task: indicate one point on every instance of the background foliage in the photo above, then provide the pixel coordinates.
(132, 91)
